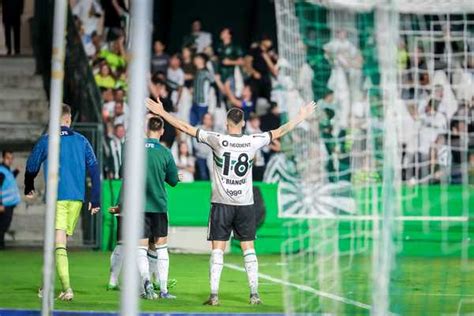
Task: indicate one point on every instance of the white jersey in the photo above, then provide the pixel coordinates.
(233, 157)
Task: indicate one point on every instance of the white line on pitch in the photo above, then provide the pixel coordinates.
(304, 288)
(438, 294)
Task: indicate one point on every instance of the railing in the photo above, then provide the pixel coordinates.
(80, 90)
(91, 225)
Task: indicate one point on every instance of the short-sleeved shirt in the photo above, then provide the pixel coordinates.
(232, 52)
(233, 158)
(175, 78)
(159, 63)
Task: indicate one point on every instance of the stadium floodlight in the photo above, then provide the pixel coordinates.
(134, 180)
(56, 97)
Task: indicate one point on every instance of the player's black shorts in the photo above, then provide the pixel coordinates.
(227, 218)
(155, 225)
(119, 227)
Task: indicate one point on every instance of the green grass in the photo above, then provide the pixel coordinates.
(20, 276)
(419, 285)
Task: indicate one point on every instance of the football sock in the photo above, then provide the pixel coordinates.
(217, 263)
(142, 262)
(62, 265)
(163, 266)
(153, 264)
(116, 260)
(251, 266)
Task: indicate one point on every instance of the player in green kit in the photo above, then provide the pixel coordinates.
(160, 169)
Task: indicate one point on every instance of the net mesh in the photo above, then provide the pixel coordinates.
(377, 187)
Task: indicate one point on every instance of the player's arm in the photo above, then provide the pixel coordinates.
(33, 164)
(93, 170)
(2, 178)
(157, 108)
(303, 114)
(172, 177)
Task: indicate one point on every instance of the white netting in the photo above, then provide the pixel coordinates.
(382, 173)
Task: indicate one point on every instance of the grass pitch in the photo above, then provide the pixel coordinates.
(420, 285)
(20, 276)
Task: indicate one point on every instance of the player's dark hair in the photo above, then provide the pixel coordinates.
(66, 109)
(235, 115)
(155, 124)
(5, 152)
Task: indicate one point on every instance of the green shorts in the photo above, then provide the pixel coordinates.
(67, 215)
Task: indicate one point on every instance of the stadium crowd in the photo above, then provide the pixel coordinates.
(211, 74)
(198, 84)
(437, 99)
(434, 113)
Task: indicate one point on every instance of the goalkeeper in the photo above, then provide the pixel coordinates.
(75, 157)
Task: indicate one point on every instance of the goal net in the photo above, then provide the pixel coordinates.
(377, 189)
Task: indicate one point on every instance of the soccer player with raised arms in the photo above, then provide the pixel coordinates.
(232, 195)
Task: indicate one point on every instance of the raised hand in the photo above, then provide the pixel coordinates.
(307, 110)
(155, 107)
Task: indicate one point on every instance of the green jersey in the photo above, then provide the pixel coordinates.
(229, 51)
(160, 168)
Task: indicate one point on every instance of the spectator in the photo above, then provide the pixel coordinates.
(471, 166)
(188, 66)
(201, 88)
(175, 77)
(262, 68)
(120, 114)
(109, 104)
(433, 124)
(230, 56)
(9, 194)
(97, 42)
(158, 89)
(202, 152)
(115, 12)
(11, 16)
(159, 60)
(104, 78)
(402, 56)
(459, 146)
(89, 12)
(271, 120)
(346, 61)
(253, 127)
(411, 130)
(185, 162)
(197, 39)
(440, 160)
(115, 56)
(246, 102)
(114, 152)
